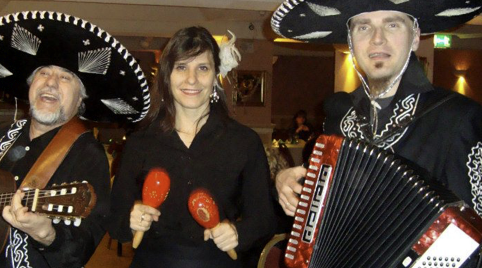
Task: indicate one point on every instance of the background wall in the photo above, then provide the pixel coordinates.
(256, 55)
(468, 62)
(301, 82)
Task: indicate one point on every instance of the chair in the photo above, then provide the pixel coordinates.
(109, 243)
(119, 246)
(272, 255)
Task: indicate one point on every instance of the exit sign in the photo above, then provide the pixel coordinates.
(442, 41)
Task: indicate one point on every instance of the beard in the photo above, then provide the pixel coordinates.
(48, 118)
(379, 84)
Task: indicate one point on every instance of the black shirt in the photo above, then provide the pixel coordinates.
(86, 161)
(225, 158)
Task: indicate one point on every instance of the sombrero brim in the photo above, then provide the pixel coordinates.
(116, 87)
(325, 20)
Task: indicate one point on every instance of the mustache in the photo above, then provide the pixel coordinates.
(49, 90)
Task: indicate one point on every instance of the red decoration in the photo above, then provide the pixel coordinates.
(203, 208)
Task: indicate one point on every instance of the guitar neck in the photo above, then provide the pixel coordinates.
(66, 201)
(28, 200)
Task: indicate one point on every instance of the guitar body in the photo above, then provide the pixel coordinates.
(7, 185)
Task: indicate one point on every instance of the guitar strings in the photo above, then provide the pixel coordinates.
(30, 196)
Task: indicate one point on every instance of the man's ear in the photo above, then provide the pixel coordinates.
(416, 40)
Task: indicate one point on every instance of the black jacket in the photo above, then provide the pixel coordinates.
(226, 158)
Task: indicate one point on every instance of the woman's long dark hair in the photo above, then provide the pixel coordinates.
(185, 44)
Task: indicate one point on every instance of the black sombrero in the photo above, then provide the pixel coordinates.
(325, 20)
(116, 87)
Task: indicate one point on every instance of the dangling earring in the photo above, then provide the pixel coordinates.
(214, 96)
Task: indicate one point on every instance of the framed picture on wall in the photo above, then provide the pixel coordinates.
(249, 87)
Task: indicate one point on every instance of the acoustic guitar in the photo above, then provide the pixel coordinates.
(69, 202)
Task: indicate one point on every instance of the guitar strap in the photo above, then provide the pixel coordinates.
(9, 139)
(53, 155)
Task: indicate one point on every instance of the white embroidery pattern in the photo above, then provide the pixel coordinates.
(313, 35)
(323, 11)
(119, 106)
(24, 40)
(4, 72)
(281, 12)
(11, 136)
(397, 2)
(349, 127)
(406, 108)
(403, 109)
(457, 12)
(475, 174)
(95, 61)
(17, 249)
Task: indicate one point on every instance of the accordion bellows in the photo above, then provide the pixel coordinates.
(362, 207)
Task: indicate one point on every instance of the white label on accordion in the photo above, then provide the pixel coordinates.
(316, 204)
(452, 248)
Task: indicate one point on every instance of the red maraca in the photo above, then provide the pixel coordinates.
(154, 192)
(204, 210)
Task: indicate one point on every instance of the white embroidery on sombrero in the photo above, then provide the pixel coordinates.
(95, 61)
(76, 21)
(288, 4)
(24, 40)
(313, 35)
(323, 11)
(4, 72)
(397, 2)
(42, 14)
(25, 14)
(15, 16)
(119, 106)
(107, 38)
(456, 12)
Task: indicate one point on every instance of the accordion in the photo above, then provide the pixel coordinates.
(362, 207)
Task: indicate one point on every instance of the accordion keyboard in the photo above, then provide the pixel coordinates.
(363, 207)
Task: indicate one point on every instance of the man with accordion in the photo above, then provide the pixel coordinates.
(396, 109)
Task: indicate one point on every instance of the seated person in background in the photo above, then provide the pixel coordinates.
(49, 57)
(300, 127)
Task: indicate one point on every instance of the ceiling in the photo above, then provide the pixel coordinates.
(151, 19)
(161, 18)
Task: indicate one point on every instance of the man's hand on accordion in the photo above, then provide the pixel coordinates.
(289, 188)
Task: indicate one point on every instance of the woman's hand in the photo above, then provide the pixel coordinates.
(224, 236)
(142, 217)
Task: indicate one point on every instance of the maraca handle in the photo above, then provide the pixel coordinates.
(232, 253)
(138, 238)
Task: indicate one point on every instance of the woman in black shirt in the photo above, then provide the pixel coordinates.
(199, 146)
